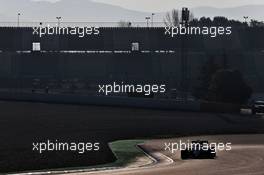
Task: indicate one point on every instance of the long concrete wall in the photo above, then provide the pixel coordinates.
(134, 67)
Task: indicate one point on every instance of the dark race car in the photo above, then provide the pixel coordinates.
(258, 107)
(199, 150)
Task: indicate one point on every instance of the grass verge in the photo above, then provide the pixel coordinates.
(126, 151)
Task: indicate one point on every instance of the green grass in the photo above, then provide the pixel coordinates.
(126, 151)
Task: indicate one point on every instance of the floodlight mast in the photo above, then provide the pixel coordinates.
(59, 20)
(246, 18)
(147, 19)
(184, 58)
(152, 19)
(18, 19)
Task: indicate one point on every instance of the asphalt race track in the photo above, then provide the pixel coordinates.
(245, 158)
(21, 124)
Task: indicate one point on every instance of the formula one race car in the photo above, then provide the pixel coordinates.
(258, 107)
(199, 150)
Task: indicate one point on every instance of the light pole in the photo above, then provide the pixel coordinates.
(147, 18)
(59, 19)
(246, 18)
(152, 19)
(18, 19)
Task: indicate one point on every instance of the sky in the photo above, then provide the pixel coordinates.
(165, 5)
(85, 10)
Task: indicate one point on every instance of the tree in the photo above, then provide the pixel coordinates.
(205, 21)
(255, 23)
(124, 24)
(228, 86)
(207, 72)
(172, 18)
(191, 17)
(220, 21)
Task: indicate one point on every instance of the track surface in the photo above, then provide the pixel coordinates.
(245, 158)
(21, 124)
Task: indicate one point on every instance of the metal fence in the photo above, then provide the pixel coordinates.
(122, 38)
(82, 24)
